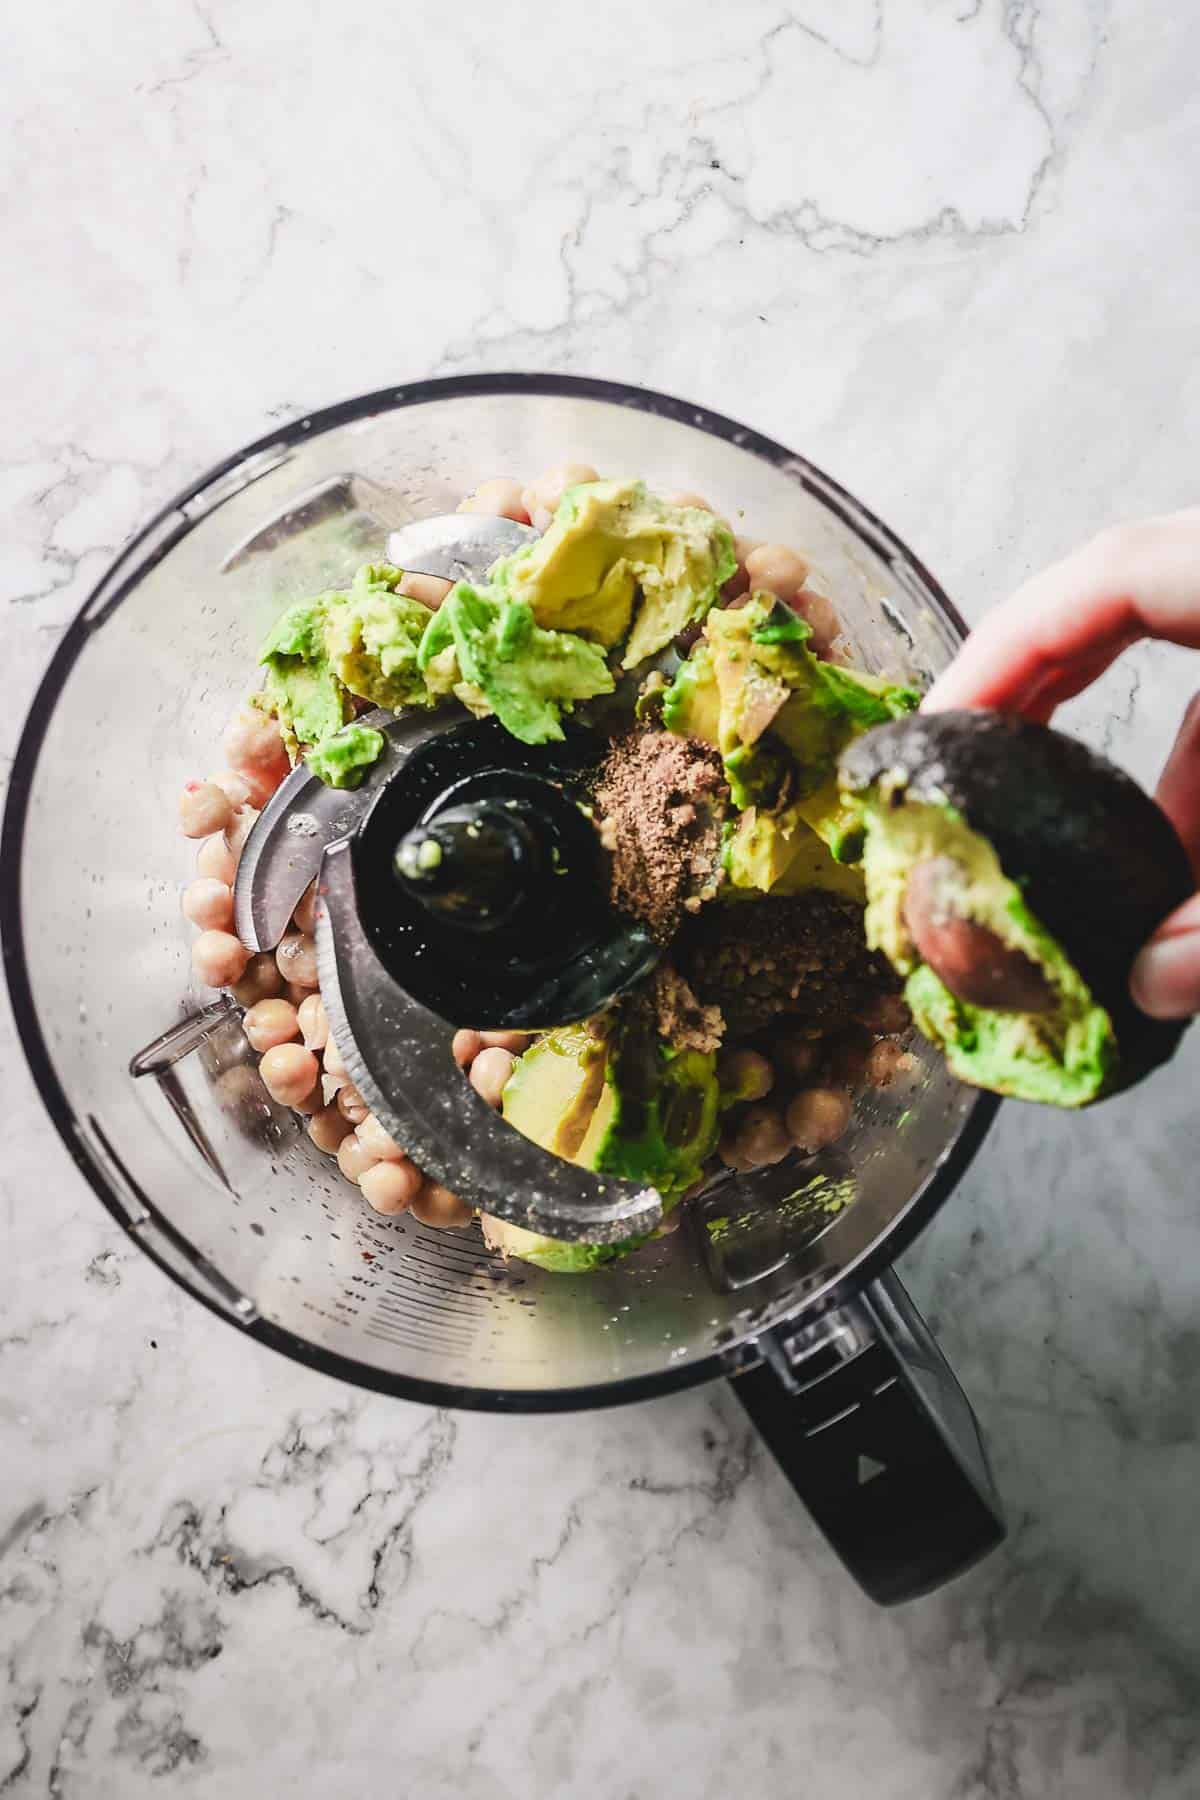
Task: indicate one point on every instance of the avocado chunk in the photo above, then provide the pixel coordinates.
(1062, 863)
(779, 716)
(664, 1121)
(780, 853)
(691, 705)
(342, 759)
(300, 686)
(556, 1255)
(322, 652)
(624, 1105)
(372, 636)
(784, 714)
(488, 651)
(617, 563)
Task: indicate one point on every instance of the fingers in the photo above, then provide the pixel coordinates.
(1179, 785)
(1166, 976)
(1062, 629)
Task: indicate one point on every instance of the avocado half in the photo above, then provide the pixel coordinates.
(1060, 854)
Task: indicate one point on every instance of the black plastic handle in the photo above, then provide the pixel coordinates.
(864, 1416)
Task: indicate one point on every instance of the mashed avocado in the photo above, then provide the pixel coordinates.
(618, 563)
(484, 647)
(1063, 1055)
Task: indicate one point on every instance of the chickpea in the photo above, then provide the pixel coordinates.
(208, 904)
(437, 1206)
(848, 1053)
(203, 809)
(817, 1117)
(305, 916)
(887, 1059)
(271, 1022)
(297, 992)
(262, 981)
(238, 830)
(375, 1139)
(739, 582)
(822, 616)
(252, 741)
(289, 1073)
(213, 861)
(218, 959)
(498, 499)
(430, 590)
(296, 956)
(886, 1014)
(351, 1104)
(313, 1102)
(263, 782)
(799, 1055)
(775, 567)
(234, 786)
(543, 495)
(516, 1041)
(489, 1073)
(353, 1158)
(314, 1023)
(759, 1140)
(465, 1047)
(334, 1065)
(689, 499)
(744, 1074)
(327, 1128)
(391, 1187)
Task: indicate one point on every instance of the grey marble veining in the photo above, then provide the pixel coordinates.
(946, 248)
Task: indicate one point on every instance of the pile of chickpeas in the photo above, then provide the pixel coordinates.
(801, 1095)
(285, 1021)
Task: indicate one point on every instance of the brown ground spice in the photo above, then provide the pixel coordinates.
(803, 956)
(681, 1018)
(660, 801)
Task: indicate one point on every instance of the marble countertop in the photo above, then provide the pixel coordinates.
(948, 251)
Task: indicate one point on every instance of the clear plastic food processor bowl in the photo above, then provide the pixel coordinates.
(219, 1185)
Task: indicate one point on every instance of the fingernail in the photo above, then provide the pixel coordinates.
(1165, 981)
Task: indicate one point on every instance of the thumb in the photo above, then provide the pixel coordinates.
(1165, 981)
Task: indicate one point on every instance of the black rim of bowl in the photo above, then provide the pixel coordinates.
(878, 1255)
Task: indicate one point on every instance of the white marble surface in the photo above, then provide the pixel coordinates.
(947, 248)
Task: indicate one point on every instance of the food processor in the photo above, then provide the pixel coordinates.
(779, 1280)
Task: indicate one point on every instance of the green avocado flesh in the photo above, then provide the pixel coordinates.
(343, 759)
(780, 717)
(617, 568)
(489, 653)
(617, 564)
(626, 1106)
(1064, 1056)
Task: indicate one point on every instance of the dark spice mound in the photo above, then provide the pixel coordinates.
(660, 801)
(804, 956)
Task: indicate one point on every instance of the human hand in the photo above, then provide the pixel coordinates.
(1054, 637)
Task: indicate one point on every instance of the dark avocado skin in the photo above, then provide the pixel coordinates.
(1100, 865)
